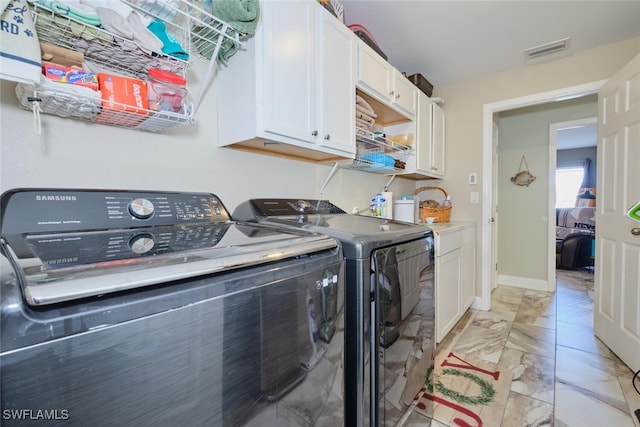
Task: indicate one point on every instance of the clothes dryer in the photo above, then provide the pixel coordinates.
(389, 308)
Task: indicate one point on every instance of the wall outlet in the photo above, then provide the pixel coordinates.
(473, 178)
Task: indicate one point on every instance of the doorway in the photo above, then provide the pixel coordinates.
(488, 208)
(570, 142)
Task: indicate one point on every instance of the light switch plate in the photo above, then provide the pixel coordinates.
(475, 197)
(473, 178)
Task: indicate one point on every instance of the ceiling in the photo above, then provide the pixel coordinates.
(452, 41)
(577, 137)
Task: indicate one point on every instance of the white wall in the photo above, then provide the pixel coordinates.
(71, 153)
(464, 123)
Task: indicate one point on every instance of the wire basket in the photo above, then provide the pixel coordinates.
(440, 213)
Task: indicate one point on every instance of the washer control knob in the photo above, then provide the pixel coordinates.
(141, 208)
(141, 243)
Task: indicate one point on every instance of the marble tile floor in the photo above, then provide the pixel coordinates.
(563, 375)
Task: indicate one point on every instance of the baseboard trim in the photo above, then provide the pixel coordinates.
(524, 282)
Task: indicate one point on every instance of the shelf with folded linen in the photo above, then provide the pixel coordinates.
(106, 50)
(78, 102)
(375, 153)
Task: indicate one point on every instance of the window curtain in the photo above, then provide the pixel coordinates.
(587, 192)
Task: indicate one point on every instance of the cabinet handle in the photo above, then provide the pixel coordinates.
(327, 137)
(435, 168)
(314, 133)
(391, 93)
(635, 231)
(397, 96)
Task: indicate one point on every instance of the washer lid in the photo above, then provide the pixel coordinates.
(71, 244)
(358, 234)
(69, 266)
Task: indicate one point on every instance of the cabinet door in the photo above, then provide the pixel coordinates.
(423, 135)
(374, 73)
(448, 275)
(336, 89)
(404, 94)
(468, 280)
(289, 69)
(438, 141)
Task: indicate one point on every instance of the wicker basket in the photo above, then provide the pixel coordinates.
(440, 213)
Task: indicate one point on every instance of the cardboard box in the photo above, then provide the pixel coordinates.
(74, 76)
(124, 100)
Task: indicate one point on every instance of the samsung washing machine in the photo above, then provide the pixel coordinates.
(389, 307)
(154, 308)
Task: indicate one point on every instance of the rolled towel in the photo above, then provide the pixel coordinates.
(366, 119)
(363, 110)
(364, 104)
(241, 15)
(363, 125)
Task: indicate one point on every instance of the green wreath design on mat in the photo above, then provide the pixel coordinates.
(487, 392)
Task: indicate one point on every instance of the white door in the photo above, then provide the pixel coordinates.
(617, 281)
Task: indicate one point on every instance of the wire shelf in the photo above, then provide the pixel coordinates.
(207, 33)
(104, 49)
(377, 154)
(196, 30)
(54, 100)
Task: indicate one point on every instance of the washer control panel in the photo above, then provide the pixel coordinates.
(46, 211)
(33, 213)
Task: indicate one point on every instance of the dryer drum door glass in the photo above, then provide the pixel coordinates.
(404, 322)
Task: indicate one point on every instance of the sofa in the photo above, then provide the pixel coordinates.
(575, 231)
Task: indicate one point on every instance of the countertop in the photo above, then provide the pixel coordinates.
(450, 227)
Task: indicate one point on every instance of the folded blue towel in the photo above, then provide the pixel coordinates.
(379, 159)
(170, 46)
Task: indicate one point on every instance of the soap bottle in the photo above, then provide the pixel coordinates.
(447, 201)
(377, 203)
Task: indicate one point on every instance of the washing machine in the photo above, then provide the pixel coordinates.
(389, 309)
(155, 308)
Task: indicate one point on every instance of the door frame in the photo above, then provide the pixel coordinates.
(483, 302)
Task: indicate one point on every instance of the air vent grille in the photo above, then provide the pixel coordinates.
(546, 49)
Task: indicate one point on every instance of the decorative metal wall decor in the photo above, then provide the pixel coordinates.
(523, 177)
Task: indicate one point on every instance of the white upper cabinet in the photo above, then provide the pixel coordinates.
(430, 138)
(336, 89)
(437, 141)
(428, 160)
(381, 80)
(293, 91)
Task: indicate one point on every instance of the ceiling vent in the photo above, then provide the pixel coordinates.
(546, 49)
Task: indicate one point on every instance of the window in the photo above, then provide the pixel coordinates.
(568, 182)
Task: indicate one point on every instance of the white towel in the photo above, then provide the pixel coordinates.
(19, 45)
(361, 109)
(364, 105)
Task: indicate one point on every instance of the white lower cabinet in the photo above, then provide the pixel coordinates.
(292, 91)
(455, 265)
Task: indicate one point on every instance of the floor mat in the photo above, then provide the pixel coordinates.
(465, 392)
